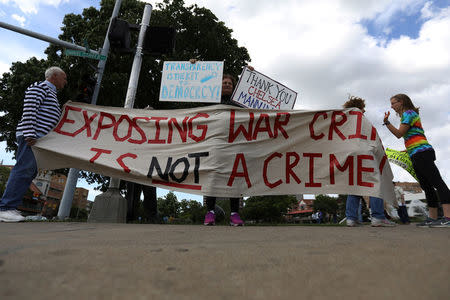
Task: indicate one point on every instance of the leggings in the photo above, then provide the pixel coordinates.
(430, 178)
(211, 203)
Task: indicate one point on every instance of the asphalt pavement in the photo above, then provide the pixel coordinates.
(51, 260)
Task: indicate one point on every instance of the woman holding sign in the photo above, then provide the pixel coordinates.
(228, 83)
(422, 156)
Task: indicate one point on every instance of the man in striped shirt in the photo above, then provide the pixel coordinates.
(41, 112)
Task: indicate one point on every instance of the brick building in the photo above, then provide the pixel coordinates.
(33, 200)
(52, 185)
(80, 198)
(45, 194)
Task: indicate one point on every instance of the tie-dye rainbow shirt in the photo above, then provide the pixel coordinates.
(415, 140)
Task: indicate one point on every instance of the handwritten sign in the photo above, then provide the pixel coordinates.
(223, 151)
(255, 90)
(183, 81)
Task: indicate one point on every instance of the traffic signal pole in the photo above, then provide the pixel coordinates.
(111, 206)
(137, 62)
(72, 178)
(69, 190)
(46, 38)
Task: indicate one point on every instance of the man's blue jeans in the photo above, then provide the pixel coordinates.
(20, 177)
(351, 208)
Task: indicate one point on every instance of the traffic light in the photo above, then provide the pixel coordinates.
(119, 35)
(159, 40)
(86, 86)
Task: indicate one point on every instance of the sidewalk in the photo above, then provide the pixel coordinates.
(133, 261)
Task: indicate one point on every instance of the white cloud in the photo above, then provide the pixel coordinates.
(32, 6)
(20, 19)
(427, 10)
(4, 67)
(430, 51)
(320, 49)
(18, 51)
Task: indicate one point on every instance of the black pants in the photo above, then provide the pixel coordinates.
(211, 203)
(403, 214)
(430, 178)
(133, 196)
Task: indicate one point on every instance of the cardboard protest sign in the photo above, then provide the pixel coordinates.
(402, 159)
(255, 90)
(223, 151)
(183, 81)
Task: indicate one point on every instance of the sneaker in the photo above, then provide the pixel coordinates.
(352, 223)
(11, 216)
(382, 223)
(235, 220)
(210, 219)
(441, 223)
(426, 223)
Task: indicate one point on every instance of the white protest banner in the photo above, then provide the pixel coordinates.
(183, 81)
(255, 90)
(223, 151)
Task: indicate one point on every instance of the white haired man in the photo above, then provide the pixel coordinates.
(41, 112)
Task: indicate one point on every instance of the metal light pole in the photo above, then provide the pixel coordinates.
(111, 206)
(45, 38)
(72, 178)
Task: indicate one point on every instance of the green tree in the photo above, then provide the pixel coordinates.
(78, 213)
(267, 208)
(169, 205)
(225, 205)
(4, 175)
(199, 34)
(192, 210)
(326, 204)
(342, 201)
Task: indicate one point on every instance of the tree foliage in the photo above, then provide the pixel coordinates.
(192, 211)
(267, 208)
(168, 206)
(326, 204)
(186, 211)
(79, 214)
(199, 34)
(4, 175)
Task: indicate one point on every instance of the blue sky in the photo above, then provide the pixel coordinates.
(323, 49)
(20, 48)
(394, 23)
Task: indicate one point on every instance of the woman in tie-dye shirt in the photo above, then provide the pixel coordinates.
(422, 156)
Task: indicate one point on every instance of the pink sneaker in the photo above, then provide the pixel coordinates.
(235, 220)
(210, 219)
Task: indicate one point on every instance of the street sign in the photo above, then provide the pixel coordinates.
(70, 52)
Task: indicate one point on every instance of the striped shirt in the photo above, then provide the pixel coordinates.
(41, 110)
(415, 140)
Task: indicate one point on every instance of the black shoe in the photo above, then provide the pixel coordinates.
(426, 223)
